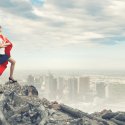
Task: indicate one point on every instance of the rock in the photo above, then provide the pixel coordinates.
(21, 105)
(20, 108)
(109, 114)
(74, 112)
(120, 116)
(29, 90)
(118, 122)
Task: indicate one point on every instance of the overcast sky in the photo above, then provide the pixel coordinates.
(65, 34)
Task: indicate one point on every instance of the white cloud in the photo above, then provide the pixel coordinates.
(117, 8)
(62, 24)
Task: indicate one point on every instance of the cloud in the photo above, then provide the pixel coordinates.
(65, 22)
(117, 7)
(92, 8)
(55, 28)
(37, 2)
(21, 8)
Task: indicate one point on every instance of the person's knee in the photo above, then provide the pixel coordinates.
(13, 62)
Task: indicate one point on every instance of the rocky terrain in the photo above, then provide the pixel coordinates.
(21, 105)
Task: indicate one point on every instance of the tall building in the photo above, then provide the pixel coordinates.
(45, 86)
(52, 84)
(60, 84)
(30, 80)
(73, 88)
(38, 81)
(84, 85)
(46, 82)
(101, 89)
(116, 91)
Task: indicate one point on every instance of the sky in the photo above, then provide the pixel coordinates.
(67, 34)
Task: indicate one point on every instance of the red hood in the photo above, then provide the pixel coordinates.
(7, 51)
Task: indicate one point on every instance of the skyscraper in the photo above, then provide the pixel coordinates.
(52, 82)
(60, 83)
(30, 79)
(73, 88)
(116, 91)
(101, 89)
(84, 85)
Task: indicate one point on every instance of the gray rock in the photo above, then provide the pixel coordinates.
(120, 116)
(118, 122)
(109, 114)
(21, 105)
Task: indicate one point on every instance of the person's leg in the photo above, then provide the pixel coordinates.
(12, 61)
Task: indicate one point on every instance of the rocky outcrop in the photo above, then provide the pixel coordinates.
(21, 105)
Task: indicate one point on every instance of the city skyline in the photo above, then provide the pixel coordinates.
(65, 34)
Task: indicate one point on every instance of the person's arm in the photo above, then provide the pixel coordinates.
(6, 44)
(3, 45)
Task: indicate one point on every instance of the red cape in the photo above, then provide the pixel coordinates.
(7, 51)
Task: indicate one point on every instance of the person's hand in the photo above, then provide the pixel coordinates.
(2, 46)
(8, 43)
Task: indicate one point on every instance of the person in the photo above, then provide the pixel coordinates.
(6, 57)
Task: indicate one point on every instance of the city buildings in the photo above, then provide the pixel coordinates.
(78, 88)
(101, 89)
(116, 91)
(84, 85)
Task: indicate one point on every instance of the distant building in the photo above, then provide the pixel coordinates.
(41, 79)
(116, 91)
(30, 79)
(101, 89)
(84, 85)
(73, 88)
(38, 81)
(46, 82)
(60, 84)
(52, 85)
